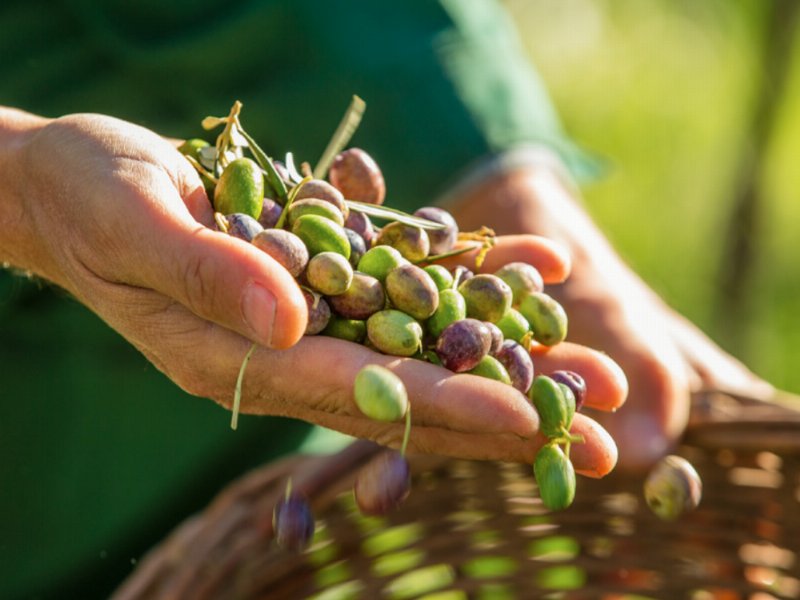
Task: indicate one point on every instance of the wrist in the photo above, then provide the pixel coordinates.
(16, 130)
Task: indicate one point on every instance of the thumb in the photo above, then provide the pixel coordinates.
(227, 281)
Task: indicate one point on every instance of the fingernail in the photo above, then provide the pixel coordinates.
(258, 310)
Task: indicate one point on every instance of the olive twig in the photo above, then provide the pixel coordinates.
(347, 127)
(289, 200)
(265, 162)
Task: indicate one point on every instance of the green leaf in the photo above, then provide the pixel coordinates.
(391, 214)
(265, 162)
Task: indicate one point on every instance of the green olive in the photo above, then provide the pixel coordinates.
(546, 317)
(555, 477)
(352, 330)
(240, 189)
(491, 368)
(452, 307)
(380, 394)
(548, 398)
(394, 332)
(513, 325)
(321, 235)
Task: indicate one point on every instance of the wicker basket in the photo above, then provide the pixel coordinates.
(478, 529)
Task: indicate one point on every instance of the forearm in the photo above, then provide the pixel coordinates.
(17, 243)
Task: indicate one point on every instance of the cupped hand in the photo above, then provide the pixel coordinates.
(116, 216)
(664, 357)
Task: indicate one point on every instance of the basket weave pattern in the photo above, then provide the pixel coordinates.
(478, 529)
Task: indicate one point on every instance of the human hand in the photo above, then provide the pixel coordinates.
(113, 214)
(611, 309)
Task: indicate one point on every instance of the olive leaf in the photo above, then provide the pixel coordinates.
(291, 168)
(392, 214)
(265, 162)
(347, 127)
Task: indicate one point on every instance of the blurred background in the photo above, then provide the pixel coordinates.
(696, 108)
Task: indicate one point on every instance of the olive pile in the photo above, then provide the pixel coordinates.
(381, 286)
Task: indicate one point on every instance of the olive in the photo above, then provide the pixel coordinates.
(411, 290)
(243, 226)
(574, 382)
(441, 240)
(355, 174)
(491, 368)
(270, 213)
(518, 363)
(672, 488)
(293, 523)
(488, 297)
(322, 190)
(452, 308)
(329, 273)
(513, 325)
(411, 241)
(394, 332)
(441, 276)
(352, 330)
(546, 316)
(383, 484)
(363, 298)
(380, 394)
(554, 412)
(240, 189)
(319, 313)
(321, 235)
(555, 477)
(522, 278)
(314, 206)
(285, 247)
(463, 344)
(378, 261)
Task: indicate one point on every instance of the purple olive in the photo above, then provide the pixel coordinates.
(497, 338)
(463, 344)
(355, 174)
(285, 247)
(357, 246)
(518, 363)
(293, 523)
(574, 382)
(362, 299)
(460, 275)
(383, 483)
(441, 240)
(413, 291)
(243, 226)
(319, 313)
(270, 213)
(361, 224)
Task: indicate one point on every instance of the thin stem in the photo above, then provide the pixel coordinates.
(407, 432)
(237, 395)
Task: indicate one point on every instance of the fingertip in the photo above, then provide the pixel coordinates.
(606, 383)
(291, 317)
(597, 456)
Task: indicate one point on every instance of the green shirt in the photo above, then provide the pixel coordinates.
(102, 454)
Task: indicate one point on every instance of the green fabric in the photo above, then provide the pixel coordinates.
(102, 454)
